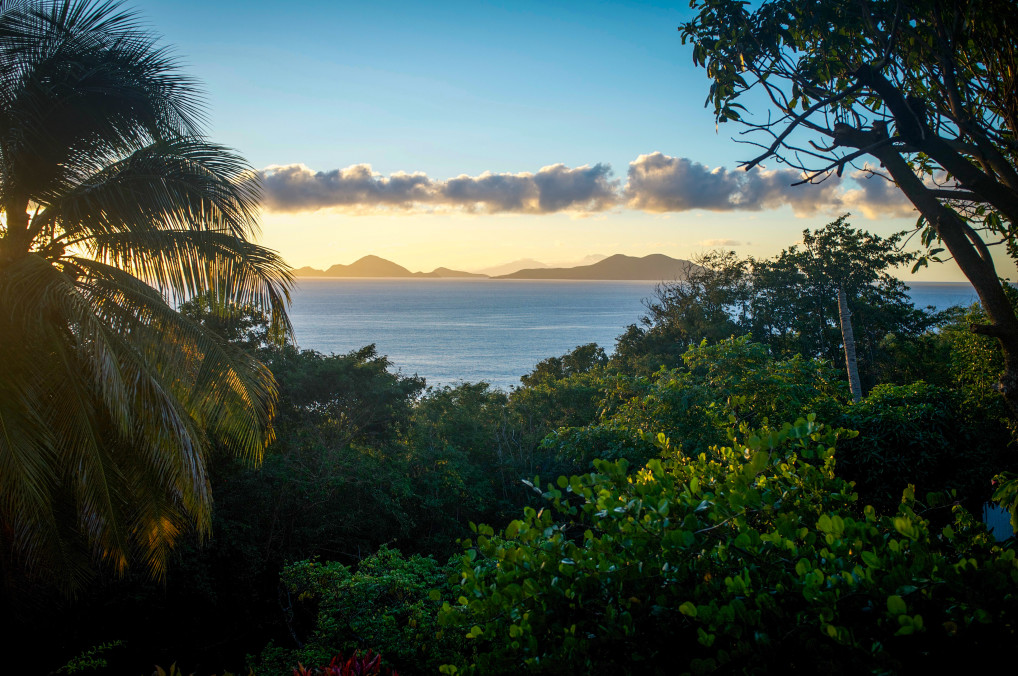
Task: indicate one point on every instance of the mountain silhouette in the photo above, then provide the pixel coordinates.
(656, 267)
(374, 266)
(507, 268)
(446, 272)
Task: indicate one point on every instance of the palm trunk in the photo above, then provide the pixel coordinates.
(16, 241)
(848, 338)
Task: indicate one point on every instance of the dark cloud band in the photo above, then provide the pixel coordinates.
(556, 188)
(656, 183)
(659, 183)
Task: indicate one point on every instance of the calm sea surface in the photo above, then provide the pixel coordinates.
(455, 330)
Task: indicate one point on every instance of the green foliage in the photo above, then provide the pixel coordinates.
(581, 359)
(344, 398)
(91, 659)
(795, 307)
(386, 604)
(975, 362)
(246, 326)
(920, 434)
(752, 558)
(710, 304)
(328, 486)
(458, 455)
(697, 406)
(788, 303)
(1005, 494)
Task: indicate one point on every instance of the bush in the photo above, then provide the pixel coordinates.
(355, 665)
(751, 558)
(719, 387)
(385, 605)
(917, 434)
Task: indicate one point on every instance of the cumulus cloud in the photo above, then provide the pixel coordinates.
(876, 197)
(554, 188)
(660, 183)
(295, 187)
(656, 183)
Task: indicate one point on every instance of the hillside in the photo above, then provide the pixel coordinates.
(655, 267)
(511, 267)
(374, 266)
(446, 272)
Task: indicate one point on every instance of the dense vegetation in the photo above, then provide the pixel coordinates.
(708, 498)
(721, 502)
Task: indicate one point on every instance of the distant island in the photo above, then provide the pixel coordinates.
(373, 266)
(655, 267)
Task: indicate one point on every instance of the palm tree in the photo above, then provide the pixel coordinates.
(115, 209)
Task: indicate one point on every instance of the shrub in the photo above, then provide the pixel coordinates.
(750, 558)
(384, 604)
(919, 434)
(355, 665)
(697, 406)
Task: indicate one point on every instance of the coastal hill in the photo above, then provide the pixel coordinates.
(446, 272)
(507, 268)
(373, 266)
(369, 266)
(655, 267)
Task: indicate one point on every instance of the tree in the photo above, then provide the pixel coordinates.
(925, 88)
(581, 359)
(244, 326)
(795, 306)
(789, 303)
(710, 303)
(116, 209)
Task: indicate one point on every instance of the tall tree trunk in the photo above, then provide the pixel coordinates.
(848, 339)
(975, 263)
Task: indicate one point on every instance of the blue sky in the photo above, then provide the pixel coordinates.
(458, 89)
(445, 88)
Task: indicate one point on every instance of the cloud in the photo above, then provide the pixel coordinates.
(552, 189)
(656, 183)
(659, 183)
(295, 187)
(876, 197)
(720, 242)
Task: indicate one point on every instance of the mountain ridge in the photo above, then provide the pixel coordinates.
(653, 267)
(619, 267)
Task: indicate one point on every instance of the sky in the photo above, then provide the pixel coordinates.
(470, 134)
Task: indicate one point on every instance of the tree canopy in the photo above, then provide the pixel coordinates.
(920, 92)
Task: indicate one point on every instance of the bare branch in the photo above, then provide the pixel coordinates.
(796, 121)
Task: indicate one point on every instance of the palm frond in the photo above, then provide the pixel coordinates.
(83, 81)
(184, 183)
(109, 399)
(187, 263)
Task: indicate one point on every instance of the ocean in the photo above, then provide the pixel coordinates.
(468, 330)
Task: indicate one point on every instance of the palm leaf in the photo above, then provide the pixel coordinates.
(109, 398)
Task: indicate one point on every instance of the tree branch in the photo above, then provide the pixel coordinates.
(796, 121)
(918, 134)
